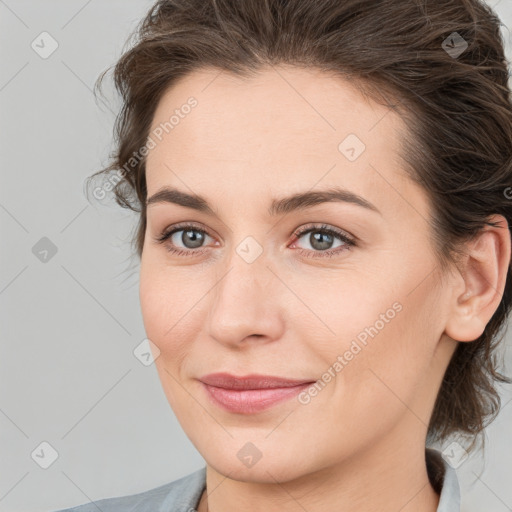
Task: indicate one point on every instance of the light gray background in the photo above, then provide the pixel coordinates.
(69, 325)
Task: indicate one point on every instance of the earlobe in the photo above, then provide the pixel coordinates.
(466, 325)
(483, 275)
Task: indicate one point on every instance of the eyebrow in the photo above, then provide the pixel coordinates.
(283, 206)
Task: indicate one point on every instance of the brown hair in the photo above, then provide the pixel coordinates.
(457, 109)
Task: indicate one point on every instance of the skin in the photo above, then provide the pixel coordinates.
(360, 443)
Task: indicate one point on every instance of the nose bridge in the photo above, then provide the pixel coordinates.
(246, 260)
(243, 302)
(245, 277)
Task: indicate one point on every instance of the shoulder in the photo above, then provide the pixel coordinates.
(180, 495)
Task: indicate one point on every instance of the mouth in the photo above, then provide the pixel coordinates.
(252, 393)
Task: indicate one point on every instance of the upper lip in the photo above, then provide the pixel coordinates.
(253, 381)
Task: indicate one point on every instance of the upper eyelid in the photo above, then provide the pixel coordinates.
(322, 226)
(185, 225)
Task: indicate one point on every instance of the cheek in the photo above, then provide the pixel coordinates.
(357, 317)
(382, 349)
(161, 294)
(158, 313)
(171, 313)
(161, 325)
(394, 363)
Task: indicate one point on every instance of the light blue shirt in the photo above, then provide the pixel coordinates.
(183, 495)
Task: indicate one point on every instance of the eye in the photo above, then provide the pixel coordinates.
(321, 239)
(189, 235)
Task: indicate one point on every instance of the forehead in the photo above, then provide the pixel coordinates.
(284, 129)
(278, 105)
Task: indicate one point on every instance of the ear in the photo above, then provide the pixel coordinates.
(482, 281)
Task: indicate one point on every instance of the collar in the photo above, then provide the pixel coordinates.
(443, 479)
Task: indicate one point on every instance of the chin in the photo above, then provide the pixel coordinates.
(267, 465)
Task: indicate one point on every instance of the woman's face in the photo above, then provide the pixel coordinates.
(353, 304)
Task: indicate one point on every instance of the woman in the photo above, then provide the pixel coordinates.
(324, 198)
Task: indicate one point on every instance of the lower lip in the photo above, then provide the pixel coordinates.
(251, 401)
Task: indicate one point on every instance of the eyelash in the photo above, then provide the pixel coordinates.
(349, 243)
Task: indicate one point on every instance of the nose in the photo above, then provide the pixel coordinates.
(245, 304)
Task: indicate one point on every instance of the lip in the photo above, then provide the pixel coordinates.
(251, 393)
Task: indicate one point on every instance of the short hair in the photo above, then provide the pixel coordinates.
(440, 64)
